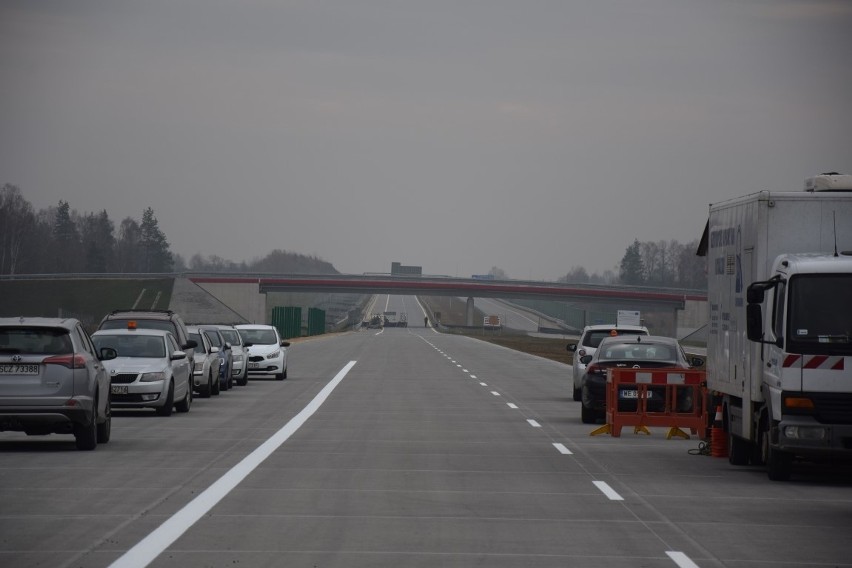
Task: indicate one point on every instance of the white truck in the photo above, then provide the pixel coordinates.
(779, 347)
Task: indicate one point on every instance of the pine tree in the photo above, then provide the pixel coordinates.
(632, 269)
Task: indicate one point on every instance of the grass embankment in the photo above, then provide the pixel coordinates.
(85, 299)
(454, 312)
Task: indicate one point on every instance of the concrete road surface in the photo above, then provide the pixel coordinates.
(404, 447)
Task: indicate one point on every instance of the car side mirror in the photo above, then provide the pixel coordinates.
(572, 347)
(696, 362)
(178, 355)
(285, 344)
(247, 344)
(227, 346)
(214, 350)
(190, 344)
(107, 354)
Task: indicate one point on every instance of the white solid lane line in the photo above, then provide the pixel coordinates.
(608, 491)
(681, 559)
(562, 449)
(167, 533)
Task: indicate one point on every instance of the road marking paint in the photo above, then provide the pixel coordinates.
(495, 393)
(681, 559)
(465, 370)
(150, 547)
(562, 449)
(510, 405)
(533, 423)
(608, 491)
(459, 366)
(484, 384)
(451, 361)
(473, 376)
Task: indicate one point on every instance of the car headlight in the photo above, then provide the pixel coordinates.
(238, 358)
(151, 377)
(199, 367)
(274, 355)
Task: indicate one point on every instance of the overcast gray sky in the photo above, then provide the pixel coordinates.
(531, 135)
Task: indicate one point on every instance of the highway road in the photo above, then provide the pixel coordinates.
(404, 447)
(512, 316)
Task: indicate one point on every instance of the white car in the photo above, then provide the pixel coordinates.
(151, 371)
(587, 345)
(265, 351)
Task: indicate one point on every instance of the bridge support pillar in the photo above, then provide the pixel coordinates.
(469, 313)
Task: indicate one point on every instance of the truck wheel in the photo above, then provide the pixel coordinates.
(779, 464)
(739, 450)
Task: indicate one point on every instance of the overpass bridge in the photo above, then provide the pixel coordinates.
(230, 288)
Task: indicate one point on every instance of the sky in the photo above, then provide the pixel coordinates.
(457, 135)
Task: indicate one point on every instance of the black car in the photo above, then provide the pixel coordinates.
(639, 352)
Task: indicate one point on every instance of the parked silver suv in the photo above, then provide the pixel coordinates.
(52, 380)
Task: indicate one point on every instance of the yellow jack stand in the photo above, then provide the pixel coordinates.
(640, 429)
(605, 429)
(677, 432)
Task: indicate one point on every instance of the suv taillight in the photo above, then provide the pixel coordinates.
(71, 361)
(581, 352)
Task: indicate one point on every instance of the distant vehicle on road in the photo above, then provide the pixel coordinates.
(205, 372)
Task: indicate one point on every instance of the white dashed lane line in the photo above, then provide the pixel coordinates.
(495, 393)
(681, 559)
(473, 376)
(533, 423)
(562, 449)
(484, 384)
(511, 405)
(608, 491)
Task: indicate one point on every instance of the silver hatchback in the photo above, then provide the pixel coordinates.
(52, 380)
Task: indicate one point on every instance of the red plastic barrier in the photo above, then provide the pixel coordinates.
(677, 386)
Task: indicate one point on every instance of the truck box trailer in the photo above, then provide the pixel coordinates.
(779, 347)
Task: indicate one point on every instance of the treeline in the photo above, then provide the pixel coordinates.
(663, 264)
(59, 240)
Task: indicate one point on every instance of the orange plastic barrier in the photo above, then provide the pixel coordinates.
(679, 410)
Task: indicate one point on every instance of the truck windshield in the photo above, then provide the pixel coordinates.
(820, 316)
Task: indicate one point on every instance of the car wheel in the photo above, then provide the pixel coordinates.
(578, 396)
(86, 435)
(166, 409)
(205, 391)
(217, 387)
(280, 376)
(105, 427)
(244, 380)
(587, 415)
(285, 372)
(183, 406)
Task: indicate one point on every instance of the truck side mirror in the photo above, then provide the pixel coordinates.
(754, 320)
(755, 294)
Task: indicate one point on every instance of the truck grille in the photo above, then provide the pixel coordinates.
(833, 408)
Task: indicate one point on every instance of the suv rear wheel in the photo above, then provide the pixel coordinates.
(105, 427)
(86, 435)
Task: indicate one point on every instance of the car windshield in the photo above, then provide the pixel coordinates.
(231, 336)
(196, 337)
(35, 340)
(214, 338)
(259, 336)
(150, 346)
(638, 351)
(594, 338)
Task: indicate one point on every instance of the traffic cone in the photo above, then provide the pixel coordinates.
(718, 436)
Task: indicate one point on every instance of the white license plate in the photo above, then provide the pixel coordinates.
(633, 394)
(119, 389)
(19, 369)
(253, 365)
